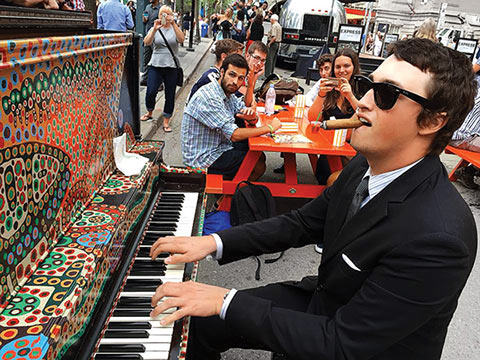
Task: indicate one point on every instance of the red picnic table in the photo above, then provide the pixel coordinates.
(322, 145)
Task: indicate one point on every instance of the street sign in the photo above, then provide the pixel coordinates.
(350, 36)
(389, 39)
(467, 47)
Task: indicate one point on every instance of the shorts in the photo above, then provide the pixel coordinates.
(229, 162)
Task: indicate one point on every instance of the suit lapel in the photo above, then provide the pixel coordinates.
(342, 234)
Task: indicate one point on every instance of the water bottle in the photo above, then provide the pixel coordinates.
(270, 101)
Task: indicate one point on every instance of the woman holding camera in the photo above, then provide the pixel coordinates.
(335, 98)
(162, 68)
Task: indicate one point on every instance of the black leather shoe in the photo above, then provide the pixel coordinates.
(280, 170)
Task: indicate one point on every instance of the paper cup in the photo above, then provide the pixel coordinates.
(299, 106)
(339, 137)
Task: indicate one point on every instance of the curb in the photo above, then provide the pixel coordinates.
(156, 124)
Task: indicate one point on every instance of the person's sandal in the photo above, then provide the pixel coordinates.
(167, 129)
(146, 117)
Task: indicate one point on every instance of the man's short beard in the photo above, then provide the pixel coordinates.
(224, 87)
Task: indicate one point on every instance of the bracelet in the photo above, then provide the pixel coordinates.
(271, 128)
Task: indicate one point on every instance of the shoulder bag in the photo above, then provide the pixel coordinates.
(179, 68)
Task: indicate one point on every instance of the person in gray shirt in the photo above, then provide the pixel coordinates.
(162, 68)
(149, 16)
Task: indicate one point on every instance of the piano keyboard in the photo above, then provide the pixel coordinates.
(131, 333)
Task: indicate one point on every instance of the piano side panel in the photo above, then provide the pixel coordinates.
(66, 288)
(59, 102)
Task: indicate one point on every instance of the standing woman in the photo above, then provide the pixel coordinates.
(338, 101)
(225, 25)
(162, 68)
(256, 31)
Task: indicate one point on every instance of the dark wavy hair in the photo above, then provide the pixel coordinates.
(235, 60)
(334, 95)
(452, 89)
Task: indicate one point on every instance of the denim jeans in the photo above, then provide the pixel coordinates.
(157, 76)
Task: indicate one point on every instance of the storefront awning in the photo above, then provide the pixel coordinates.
(354, 17)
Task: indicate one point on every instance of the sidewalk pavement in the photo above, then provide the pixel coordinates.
(189, 61)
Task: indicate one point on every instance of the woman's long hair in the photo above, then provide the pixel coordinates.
(427, 30)
(333, 96)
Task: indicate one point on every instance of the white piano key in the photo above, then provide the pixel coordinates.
(151, 355)
(163, 341)
(154, 323)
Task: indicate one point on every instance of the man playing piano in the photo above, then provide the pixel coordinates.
(399, 241)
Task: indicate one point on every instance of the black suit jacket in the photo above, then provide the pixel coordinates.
(415, 244)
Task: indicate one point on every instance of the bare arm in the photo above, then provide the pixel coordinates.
(178, 32)
(148, 40)
(245, 133)
(476, 68)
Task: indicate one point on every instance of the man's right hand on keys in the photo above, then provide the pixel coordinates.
(184, 249)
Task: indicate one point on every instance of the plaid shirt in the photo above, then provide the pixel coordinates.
(471, 125)
(208, 124)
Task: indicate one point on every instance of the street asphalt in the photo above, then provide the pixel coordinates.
(463, 338)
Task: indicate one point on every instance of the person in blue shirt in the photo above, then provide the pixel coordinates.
(113, 15)
(223, 48)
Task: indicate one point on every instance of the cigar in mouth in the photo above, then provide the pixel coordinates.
(351, 123)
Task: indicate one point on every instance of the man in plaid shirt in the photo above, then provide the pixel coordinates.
(209, 134)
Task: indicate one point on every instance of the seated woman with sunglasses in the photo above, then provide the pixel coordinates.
(335, 98)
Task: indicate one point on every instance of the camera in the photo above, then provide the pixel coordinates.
(164, 19)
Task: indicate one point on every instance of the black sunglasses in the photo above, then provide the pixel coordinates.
(385, 94)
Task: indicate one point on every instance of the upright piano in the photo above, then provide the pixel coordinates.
(75, 274)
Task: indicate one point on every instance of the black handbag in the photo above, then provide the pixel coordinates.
(179, 68)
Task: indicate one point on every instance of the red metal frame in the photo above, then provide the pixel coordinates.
(290, 187)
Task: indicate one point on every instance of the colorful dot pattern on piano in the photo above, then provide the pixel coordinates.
(61, 230)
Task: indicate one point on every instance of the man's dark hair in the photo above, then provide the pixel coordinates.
(258, 46)
(236, 60)
(322, 59)
(240, 15)
(452, 89)
(226, 46)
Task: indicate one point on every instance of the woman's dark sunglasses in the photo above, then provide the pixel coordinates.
(385, 94)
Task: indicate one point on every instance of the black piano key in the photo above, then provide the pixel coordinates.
(144, 282)
(127, 334)
(140, 286)
(121, 348)
(118, 357)
(172, 195)
(136, 325)
(166, 212)
(135, 302)
(137, 288)
(131, 313)
(149, 264)
(161, 227)
(171, 200)
(147, 272)
(145, 252)
(165, 217)
(168, 207)
(150, 241)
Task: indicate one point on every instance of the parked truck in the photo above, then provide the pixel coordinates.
(306, 24)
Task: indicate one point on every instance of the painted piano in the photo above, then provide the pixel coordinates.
(75, 276)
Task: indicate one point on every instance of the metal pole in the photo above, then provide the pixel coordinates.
(192, 18)
(367, 25)
(330, 25)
